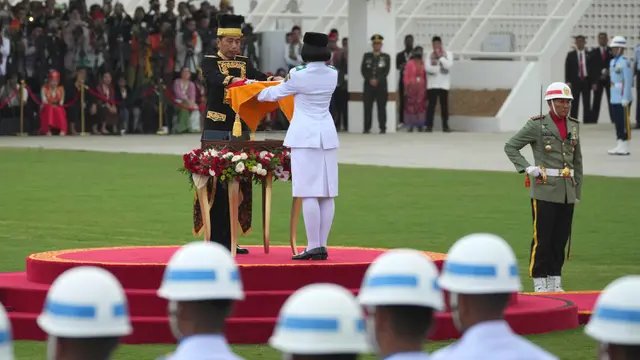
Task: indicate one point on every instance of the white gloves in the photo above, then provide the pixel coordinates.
(533, 171)
(577, 201)
(625, 103)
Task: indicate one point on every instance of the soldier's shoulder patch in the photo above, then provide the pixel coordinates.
(573, 119)
(331, 67)
(538, 117)
(301, 67)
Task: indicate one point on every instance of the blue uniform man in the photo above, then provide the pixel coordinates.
(621, 72)
(637, 57)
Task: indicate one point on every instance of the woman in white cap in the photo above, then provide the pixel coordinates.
(313, 140)
(615, 322)
(322, 321)
(6, 342)
(85, 315)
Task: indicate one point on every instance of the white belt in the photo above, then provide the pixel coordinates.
(557, 172)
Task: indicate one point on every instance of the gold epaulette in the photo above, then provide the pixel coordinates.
(572, 119)
(538, 117)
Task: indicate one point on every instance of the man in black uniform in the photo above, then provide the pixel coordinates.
(375, 69)
(401, 60)
(220, 70)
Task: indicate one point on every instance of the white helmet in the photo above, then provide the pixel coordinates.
(320, 319)
(201, 271)
(618, 42)
(402, 277)
(616, 316)
(6, 346)
(480, 264)
(85, 302)
(558, 90)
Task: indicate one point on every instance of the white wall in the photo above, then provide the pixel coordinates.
(490, 74)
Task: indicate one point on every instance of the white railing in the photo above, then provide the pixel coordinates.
(425, 18)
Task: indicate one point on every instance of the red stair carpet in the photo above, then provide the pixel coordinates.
(268, 280)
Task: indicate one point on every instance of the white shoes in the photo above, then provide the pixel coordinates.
(548, 284)
(540, 285)
(554, 284)
(622, 148)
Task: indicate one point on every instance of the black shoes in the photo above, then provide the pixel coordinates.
(320, 253)
(241, 251)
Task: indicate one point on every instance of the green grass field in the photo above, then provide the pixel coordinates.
(61, 199)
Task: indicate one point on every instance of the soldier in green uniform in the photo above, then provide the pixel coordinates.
(555, 180)
(220, 70)
(375, 69)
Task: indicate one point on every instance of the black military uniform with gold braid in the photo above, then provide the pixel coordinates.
(218, 72)
(375, 66)
(222, 123)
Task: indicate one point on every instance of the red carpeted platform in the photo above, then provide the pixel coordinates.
(268, 279)
(584, 300)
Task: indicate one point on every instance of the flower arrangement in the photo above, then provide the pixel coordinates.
(240, 166)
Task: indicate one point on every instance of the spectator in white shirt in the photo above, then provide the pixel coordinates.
(438, 64)
(292, 50)
(188, 48)
(5, 50)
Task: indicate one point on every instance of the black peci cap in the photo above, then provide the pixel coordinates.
(229, 25)
(316, 39)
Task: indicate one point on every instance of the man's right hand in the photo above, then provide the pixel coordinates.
(534, 171)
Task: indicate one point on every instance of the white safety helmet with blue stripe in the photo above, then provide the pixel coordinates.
(616, 315)
(480, 264)
(618, 42)
(401, 277)
(201, 271)
(6, 341)
(85, 302)
(320, 319)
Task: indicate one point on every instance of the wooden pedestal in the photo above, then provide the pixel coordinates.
(267, 186)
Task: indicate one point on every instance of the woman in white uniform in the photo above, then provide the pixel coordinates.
(313, 140)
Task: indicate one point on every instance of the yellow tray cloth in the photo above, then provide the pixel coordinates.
(244, 101)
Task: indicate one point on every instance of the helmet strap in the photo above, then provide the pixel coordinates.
(455, 314)
(173, 320)
(603, 351)
(52, 347)
(371, 330)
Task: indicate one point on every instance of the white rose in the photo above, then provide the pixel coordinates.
(244, 156)
(263, 172)
(259, 166)
(228, 155)
(212, 172)
(240, 168)
(263, 154)
(236, 158)
(253, 169)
